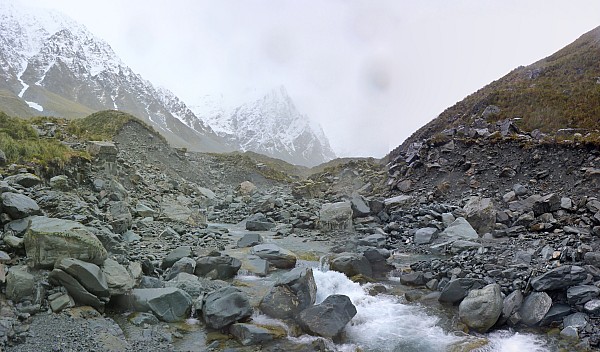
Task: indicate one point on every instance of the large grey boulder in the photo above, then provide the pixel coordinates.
(277, 256)
(89, 275)
(581, 294)
(559, 278)
(195, 286)
(510, 306)
(425, 235)
(336, 217)
(20, 283)
(292, 293)
(224, 307)
(169, 304)
(457, 289)
(250, 334)
(259, 222)
(18, 206)
(49, 239)
(556, 314)
(460, 228)
(117, 277)
(546, 204)
(175, 255)
(360, 206)
(26, 180)
(481, 214)
(328, 318)
(481, 308)
(218, 267)
(249, 240)
(351, 264)
(184, 265)
(534, 308)
(75, 289)
(60, 183)
(120, 217)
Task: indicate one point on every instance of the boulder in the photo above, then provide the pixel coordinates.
(534, 308)
(250, 334)
(336, 217)
(425, 235)
(20, 283)
(546, 204)
(556, 314)
(49, 239)
(256, 265)
(457, 289)
(360, 206)
(328, 318)
(194, 285)
(592, 258)
(577, 320)
(581, 294)
(293, 292)
(375, 240)
(169, 304)
(277, 256)
(120, 217)
(510, 306)
(460, 228)
(259, 222)
(351, 264)
(481, 308)
(481, 214)
(249, 240)
(18, 206)
(592, 307)
(75, 289)
(26, 180)
(224, 307)
(415, 278)
(246, 188)
(60, 183)
(89, 275)
(221, 268)
(175, 255)
(102, 150)
(117, 277)
(559, 278)
(144, 211)
(183, 265)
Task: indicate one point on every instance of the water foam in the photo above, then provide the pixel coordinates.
(508, 341)
(382, 322)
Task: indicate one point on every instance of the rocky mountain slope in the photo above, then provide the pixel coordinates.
(271, 125)
(558, 92)
(53, 66)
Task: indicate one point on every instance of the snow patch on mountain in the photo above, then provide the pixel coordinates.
(271, 125)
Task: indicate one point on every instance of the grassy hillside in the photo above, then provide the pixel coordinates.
(560, 91)
(21, 144)
(104, 125)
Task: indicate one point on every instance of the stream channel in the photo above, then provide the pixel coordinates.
(385, 322)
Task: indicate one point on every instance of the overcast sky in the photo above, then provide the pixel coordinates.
(370, 72)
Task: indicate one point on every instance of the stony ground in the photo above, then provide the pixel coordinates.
(488, 210)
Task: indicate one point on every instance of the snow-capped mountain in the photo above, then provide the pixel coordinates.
(271, 125)
(51, 65)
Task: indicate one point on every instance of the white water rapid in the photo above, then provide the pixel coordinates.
(384, 324)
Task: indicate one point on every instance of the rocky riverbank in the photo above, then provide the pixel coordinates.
(120, 252)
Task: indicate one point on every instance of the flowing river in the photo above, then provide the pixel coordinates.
(386, 322)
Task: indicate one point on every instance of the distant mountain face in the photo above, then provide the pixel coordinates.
(558, 92)
(51, 65)
(271, 125)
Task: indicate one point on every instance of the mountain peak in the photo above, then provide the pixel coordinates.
(271, 125)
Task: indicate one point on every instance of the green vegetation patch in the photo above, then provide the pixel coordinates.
(21, 144)
(101, 125)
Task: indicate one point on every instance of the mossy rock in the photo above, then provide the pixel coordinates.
(48, 240)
